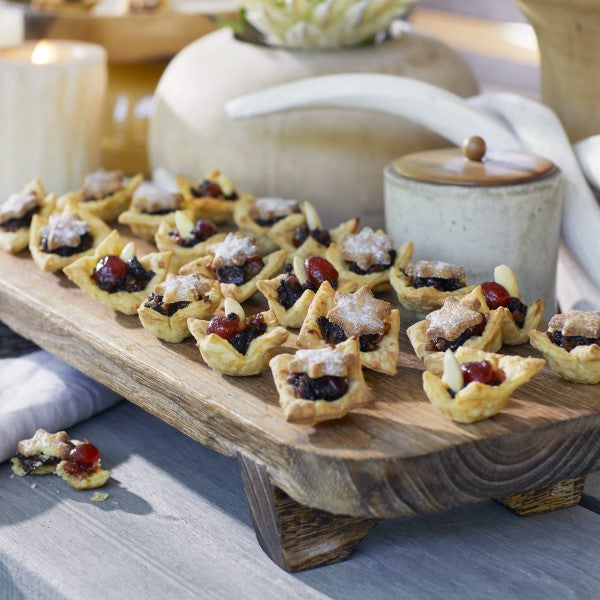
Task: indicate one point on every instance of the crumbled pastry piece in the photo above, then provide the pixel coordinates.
(150, 198)
(182, 288)
(18, 205)
(319, 362)
(577, 323)
(359, 313)
(40, 454)
(99, 497)
(63, 230)
(233, 250)
(367, 248)
(82, 468)
(453, 319)
(435, 268)
(272, 209)
(101, 183)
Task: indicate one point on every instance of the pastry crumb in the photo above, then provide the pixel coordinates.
(33, 486)
(11, 476)
(98, 497)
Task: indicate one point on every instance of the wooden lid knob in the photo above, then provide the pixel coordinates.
(474, 148)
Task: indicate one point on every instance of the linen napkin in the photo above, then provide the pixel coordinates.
(38, 390)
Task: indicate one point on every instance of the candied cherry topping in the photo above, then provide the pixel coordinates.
(204, 230)
(495, 294)
(86, 455)
(210, 189)
(319, 269)
(482, 371)
(225, 327)
(110, 272)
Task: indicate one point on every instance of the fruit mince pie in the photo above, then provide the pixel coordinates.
(235, 344)
(264, 218)
(82, 469)
(521, 319)
(364, 258)
(213, 197)
(115, 275)
(460, 322)
(475, 384)
(62, 238)
(16, 214)
(181, 297)
(186, 238)
(572, 345)
(423, 285)
(309, 238)
(320, 384)
(237, 264)
(290, 295)
(333, 317)
(105, 194)
(41, 454)
(149, 206)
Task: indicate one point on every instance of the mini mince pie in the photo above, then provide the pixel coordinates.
(309, 238)
(115, 276)
(213, 197)
(186, 238)
(148, 208)
(62, 238)
(335, 316)
(82, 469)
(364, 258)
(105, 194)
(290, 295)
(423, 285)
(264, 217)
(181, 297)
(320, 384)
(460, 322)
(17, 213)
(572, 345)
(521, 319)
(475, 384)
(237, 264)
(235, 344)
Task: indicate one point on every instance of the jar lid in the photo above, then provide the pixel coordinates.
(473, 165)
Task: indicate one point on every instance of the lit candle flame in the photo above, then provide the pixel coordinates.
(43, 53)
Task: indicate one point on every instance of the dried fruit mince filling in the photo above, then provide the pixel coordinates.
(236, 260)
(497, 295)
(441, 276)
(574, 328)
(112, 274)
(368, 252)
(203, 230)
(302, 233)
(239, 333)
(208, 188)
(157, 303)
(328, 387)
(318, 269)
(452, 325)
(65, 235)
(30, 463)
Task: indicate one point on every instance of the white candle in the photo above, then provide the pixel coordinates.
(51, 99)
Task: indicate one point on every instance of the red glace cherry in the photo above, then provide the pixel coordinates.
(319, 269)
(110, 272)
(86, 455)
(495, 294)
(205, 229)
(225, 327)
(482, 371)
(210, 189)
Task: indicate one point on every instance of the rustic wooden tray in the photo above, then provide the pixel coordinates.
(399, 456)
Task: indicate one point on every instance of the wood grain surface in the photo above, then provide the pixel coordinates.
(398, 456)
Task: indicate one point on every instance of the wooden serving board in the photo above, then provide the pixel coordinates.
(399, 456)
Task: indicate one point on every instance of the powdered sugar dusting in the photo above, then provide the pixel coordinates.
(367, 248)
(181, 288)
(233, 250)
(435, 268)
(63, 230)
(320, 362)
(151, 198)
(18, 205)
(359, 313)
(102, 183)
(44, 442)
(273, 208)
(450, 321)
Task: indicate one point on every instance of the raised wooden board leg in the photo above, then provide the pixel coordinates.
(294, 536)
(552, 496)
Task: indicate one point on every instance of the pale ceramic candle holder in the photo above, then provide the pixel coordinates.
(50, 110)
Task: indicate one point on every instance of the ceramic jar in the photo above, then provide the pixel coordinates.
(504, 209)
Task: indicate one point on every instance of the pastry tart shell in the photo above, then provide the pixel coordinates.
(581, 365)
(478, 401)
(221, 356)
(513, 335)
(80, 273)
(418, 300)
(174, 328)
(95, 479)
(384, 359)
(311, 412)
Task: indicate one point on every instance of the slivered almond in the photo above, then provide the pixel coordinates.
(312, 218)
(184, 224)
(452, 376)
(506, 278)
(128, 252)
(299, 270)
(233, 306)
(225, 184)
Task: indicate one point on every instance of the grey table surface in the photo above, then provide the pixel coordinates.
(176, 526)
